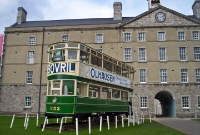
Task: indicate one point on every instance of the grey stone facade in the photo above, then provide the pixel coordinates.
(21, 16)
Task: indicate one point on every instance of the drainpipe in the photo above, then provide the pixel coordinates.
(41, 71)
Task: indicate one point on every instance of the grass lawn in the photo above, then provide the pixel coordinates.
(147, 128)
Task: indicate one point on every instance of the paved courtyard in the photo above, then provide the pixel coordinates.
(187, 126)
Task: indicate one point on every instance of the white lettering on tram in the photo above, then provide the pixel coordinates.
(61, 67)
(112, 78)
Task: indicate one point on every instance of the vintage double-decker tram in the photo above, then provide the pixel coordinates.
(83, 81)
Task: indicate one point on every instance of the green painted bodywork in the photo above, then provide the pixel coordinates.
(73, 105)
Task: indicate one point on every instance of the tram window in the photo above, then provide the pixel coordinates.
(118, 70)
(82, 47)
(84, 57)
(107, 65)
(68, 87)
(124, 95)
(49, 88)
(125, 72)
(94, 91)
(81, 89)
(106, 93)
(94, 60)
(73, 45)
(55, 92)
(72, 54)
(116, 94)
(59, 46)
(56, 84)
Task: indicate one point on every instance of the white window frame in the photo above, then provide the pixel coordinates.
(161, 36)
(127, 54)
(65, 38)
(29, 76)
(143, 102)
(182, 53)
(163, 54)
(31, 57)
(181, 35)
(32, 40)
(197, 54)
(163, 76)
(142, 55)
(197, 75)
(127, 36)
(198, 101)
(142, 75)
(28, 102)
(141, 37)
(195, 35)
(99, 37)
(184, 75)
(185, 101)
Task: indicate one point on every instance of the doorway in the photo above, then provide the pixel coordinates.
(168, 104)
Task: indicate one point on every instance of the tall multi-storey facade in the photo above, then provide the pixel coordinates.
(162, 44)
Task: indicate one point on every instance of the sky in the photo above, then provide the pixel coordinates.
(77, 9)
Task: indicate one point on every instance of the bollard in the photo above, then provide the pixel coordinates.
(45, 121)
(61, 125)
(100, 129)
(150, 117)
(133, 120)
(128, 121)
(122, 121)
(89, 122)
(57, 120)
(108, 123)
(66, 120)
(37, 120)
(25, 120)
(138, 120)
(76, 126)
(12, 121)
(143, 118)
(115, 121)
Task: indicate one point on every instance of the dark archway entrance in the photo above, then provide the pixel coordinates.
(168, 103)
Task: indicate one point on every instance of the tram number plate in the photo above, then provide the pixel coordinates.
(54, 108)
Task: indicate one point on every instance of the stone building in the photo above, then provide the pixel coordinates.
(162, 44)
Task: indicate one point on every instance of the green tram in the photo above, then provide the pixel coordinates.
(82, 81)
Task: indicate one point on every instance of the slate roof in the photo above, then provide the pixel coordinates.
(98, 21)
(69, 22)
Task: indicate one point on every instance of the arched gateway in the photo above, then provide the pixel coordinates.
(168, 103)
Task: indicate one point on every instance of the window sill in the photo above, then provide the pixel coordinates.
(27, 107)
(100, 43)
(186, 108)
(142, 61)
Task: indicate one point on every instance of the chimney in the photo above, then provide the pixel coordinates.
(153, 3)
(21, 15)
(117, 10)
(196, 8)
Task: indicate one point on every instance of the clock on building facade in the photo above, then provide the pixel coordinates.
(160, 17)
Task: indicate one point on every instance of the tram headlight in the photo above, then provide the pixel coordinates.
(54, 100)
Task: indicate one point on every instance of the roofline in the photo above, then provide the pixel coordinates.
(195, 3)
(154, 9)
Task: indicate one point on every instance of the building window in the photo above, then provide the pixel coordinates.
(181, 35)
(161, 36)
(163, 75)
(185, 102)
(198, 101)
(30, 57)
(142, 54)
(127, 54)
(184, 75)
(127, 37)
(29, 77)
(197, 53)
(198, 75)
(99, 38)
(32, 40)
(27, 101)
(162, 54)
(142, 75)
(65, 38)
(195, 35)
(143, 102)
(182, 53)
(141, 36)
